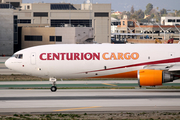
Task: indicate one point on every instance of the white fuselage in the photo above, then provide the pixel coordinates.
(92, 60)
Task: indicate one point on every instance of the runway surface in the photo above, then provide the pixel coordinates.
(88, 100)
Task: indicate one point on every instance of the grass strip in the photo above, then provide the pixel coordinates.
(67, 85)
(138, 115)
(17, 77)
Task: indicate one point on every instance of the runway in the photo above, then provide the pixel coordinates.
(88, 100)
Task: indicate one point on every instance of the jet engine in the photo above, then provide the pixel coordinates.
(148, 77)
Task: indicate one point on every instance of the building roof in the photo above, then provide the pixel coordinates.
(118, 12)
(114, 20)
(126, 34)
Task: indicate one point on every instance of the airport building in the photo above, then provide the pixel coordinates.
(57, 23)
(114, 24)
(6, 32)
(170, 20)
(133, 30)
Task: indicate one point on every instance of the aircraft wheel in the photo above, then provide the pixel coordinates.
(53, 89)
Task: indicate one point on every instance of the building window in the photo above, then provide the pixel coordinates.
(123, 22)
(62, 7)
(59, 38)
(15, 38)
(40, 14)
(55, 38)
(28, 7)
(15, 30)
(171, 20)
(101, 14)
(51, 38)
(5, 6)
(73, 23)
(32, 38)
(130, 24)
(14, 4)
(116, 23)
(178, 20)
(24, 21)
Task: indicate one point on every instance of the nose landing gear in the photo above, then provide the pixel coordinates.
(53, 88)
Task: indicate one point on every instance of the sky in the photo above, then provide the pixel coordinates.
(122, 5)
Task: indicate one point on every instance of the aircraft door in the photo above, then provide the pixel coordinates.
(33, 58)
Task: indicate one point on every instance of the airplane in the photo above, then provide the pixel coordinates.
(152, 64)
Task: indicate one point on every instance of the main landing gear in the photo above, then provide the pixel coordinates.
(53, 88)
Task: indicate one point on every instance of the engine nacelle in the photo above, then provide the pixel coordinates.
(153, 77)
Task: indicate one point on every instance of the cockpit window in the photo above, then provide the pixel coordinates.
(18, 56)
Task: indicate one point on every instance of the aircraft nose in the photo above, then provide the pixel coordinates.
(7, 63)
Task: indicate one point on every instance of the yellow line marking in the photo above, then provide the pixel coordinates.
(77, 108)
(113, 89)
(109, 84)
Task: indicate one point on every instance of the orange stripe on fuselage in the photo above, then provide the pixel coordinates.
(131, 74)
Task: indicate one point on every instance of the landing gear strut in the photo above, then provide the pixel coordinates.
(53, 88)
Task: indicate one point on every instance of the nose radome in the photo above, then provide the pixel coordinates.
(7, 63)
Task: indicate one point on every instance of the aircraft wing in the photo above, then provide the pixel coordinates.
(170, 68)
(158, 67)
(175, 68)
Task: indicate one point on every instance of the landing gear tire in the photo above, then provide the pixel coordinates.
(53, 89)
(53, 80)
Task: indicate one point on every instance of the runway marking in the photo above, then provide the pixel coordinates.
(29, 89)
(109, 84)
(78, 108)
(112, 89)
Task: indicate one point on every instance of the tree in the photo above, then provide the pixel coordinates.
(125, 13)
(157, 8)
(149, 7)
(152, 16)
(170, 15)
(133, 17)
(153, 11)
(158, 17)
(132, 10)
(139, 14)
(175, 12)
(178, 13)
(163, 12)
(115, 16)
(128, 14)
